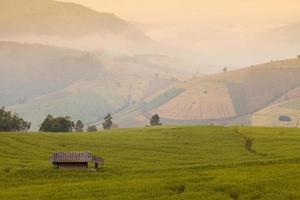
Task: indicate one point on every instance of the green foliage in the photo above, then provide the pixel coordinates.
(79, 126)
(58, 124)
(12, 123)
(249, 144)
(107, 122)
(155, 120)
(284, 118)
(88, 106)
(92, 129)
(160, 163)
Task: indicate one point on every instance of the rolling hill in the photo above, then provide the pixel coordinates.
(227, 98)
(166, 163)
(63, 19)
(37, 80)
(31, 70)
(285, 114)
(69, 25)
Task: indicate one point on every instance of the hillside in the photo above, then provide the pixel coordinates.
(31, 70)
(70, 25)
(286, 114)
(89, 101)
(227, 98)
(37, 80)
(53, 18)
(191, 163)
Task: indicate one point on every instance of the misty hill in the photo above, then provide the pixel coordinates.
(70, 25)
(37, 80)
(53, 18)
(227, 98)
(30, 70)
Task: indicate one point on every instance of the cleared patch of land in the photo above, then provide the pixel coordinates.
(156, 163)
(231, 97)
(204, 100)
(271, 115)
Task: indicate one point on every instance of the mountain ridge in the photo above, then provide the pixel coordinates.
(62, 19)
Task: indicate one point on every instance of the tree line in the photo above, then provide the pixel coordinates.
(10, 122)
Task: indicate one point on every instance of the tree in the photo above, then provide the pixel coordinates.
(155, 120)
(46, 124)
(92, 129)
(79, 126)
(73, 127)
(107, 122)
(11, 122)
(58, 124)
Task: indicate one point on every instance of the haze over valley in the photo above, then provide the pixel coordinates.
(149, 99)
(85, 59)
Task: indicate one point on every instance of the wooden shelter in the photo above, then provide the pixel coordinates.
(75, 159)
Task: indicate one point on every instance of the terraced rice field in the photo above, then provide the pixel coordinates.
(205, 100)
(156, 163)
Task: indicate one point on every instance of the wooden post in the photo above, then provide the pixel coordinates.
(96, 165)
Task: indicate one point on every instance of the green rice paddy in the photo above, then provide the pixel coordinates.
(155, 163)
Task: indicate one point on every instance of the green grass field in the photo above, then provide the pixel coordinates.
(156, 163)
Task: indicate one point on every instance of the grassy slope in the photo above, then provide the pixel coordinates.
(256, 87)
(86, 106)
(32, 70)
(270, 116)
(156, 163)
(229, 98)
(127, 117)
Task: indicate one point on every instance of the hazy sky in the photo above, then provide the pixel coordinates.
(179, 11)
(203, 26)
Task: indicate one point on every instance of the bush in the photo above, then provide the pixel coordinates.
(6, 169)
(249, 144)
(107, 124)
(178, 189)
(284, 118)
(155, 120)
(92, 129)
(79, 126)
(58, 124)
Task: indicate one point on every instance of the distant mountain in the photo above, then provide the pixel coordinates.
(53, 18)
(37, 80)
(28, 71)
(227, 98)
(69, 25)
